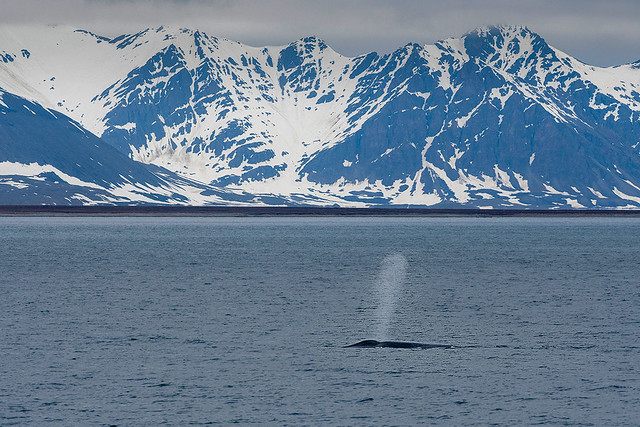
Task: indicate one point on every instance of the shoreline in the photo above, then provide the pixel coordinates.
(298, 211)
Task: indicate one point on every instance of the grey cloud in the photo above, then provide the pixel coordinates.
(597, 32)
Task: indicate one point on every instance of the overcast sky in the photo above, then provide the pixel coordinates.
(599, 32)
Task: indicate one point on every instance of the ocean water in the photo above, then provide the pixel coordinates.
(188, 321)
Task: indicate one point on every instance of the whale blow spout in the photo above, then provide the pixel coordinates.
(396, 344)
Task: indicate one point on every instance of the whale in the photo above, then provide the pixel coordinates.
(396, 344)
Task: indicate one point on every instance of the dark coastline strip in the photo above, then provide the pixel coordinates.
(294, 211)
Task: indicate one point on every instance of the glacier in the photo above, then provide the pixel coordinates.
(494, 119)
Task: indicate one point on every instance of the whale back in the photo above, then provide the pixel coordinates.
(396, 344)
(366, 343)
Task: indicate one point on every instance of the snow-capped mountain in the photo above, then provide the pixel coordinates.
(47, 158)
(497, 118)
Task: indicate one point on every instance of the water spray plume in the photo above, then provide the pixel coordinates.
(388, 288)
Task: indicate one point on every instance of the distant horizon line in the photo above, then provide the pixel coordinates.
(296, 211)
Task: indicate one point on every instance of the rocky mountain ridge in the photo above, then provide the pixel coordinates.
(496, 118)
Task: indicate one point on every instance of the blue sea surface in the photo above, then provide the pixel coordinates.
(142, 321)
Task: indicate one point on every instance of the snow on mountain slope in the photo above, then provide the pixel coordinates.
(498, 118)
(226, 118)
(64, 69)
(494, 118)
(47, 158)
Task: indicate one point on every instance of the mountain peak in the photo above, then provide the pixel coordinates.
(498, 35)
(310, 43)
(505, 30)
(511, 40)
